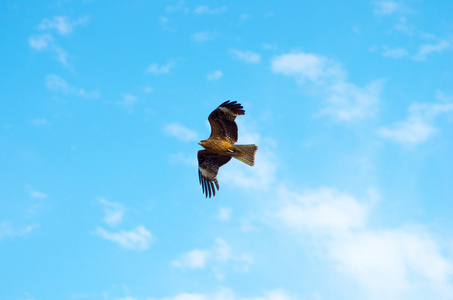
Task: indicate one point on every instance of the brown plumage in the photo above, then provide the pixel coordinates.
(220, 146)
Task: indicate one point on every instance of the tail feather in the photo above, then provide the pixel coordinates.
(246, 154)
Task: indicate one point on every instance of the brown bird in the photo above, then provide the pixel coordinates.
(220, 146)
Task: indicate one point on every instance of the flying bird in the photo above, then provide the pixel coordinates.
(220, 148)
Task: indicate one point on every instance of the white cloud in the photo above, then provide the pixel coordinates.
(164, 69)
(128, 99)
(8, 230)
(386, 8)
(204, 9)
(177, 7)
(246, 56)
(37, 194)
(63, 25)
(426, 49)
(412, 131)
(136, 239)
(219, 256)
(395, 52)
(57, 84)
(62, 55)
(324, 209)
(395, 264)
(306, 66)
(345, 101)
(400, 263)
(40, 122)
(40, 42)
(224, 214)
(195, 259)
(180, 132)
(46, 42)
(113, 212)
(419, 126)
(203, 36)
(227, 294)
(216, 75)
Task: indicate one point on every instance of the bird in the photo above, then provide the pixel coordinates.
(220, 148)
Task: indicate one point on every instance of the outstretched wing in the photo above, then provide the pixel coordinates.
(208, 167)
(222, 121)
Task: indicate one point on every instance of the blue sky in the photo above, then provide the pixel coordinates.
(101, 109)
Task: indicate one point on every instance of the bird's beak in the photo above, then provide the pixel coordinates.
(199, 143)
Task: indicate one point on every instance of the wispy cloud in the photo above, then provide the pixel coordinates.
(386, 8)
(180, 132)
(137, 239)
(246, 56)
(37, 194)
(426, 49)
(154, 68)
(41, 41)
(45, 42)
(221, 254)
(40, 122)
(419, 126)
(113, 212)
(63, 25)
(227, 294)
(345, 101)
(224, 214)
(180, 6)
(204, 9)
(55, 83)
(216, 75)
(394, 52)
(8, 230)
(203, 36)
(386, 262)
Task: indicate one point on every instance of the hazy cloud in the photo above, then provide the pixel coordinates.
(40, 42)
(394, 52)
(224, 214)
(419, 126)
(246, 56)
(386, 8)
(180, 132)
(8, 230)
(57, 84)
(63, 25)
(216, 75)
(136, 239)
(220, 254)
(113, 212)
(164, 69)
(386, 262)
(203, 36)
(426, 49)
(204, 9)
(345, 101)
(227, 294)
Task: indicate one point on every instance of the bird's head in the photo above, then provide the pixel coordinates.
(202, 143)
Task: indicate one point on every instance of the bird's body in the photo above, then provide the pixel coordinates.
(220, 145)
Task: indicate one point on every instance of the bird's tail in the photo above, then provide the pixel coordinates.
(246, 154)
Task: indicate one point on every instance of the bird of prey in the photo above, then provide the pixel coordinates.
(220, 146)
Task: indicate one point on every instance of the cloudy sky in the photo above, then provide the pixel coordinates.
(101, 109)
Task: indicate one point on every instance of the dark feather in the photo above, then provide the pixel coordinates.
(208, 167)
(222, 120)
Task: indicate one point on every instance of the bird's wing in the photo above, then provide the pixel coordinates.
(208, 167)
(222, 121)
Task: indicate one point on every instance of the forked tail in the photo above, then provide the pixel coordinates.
(246, 154)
